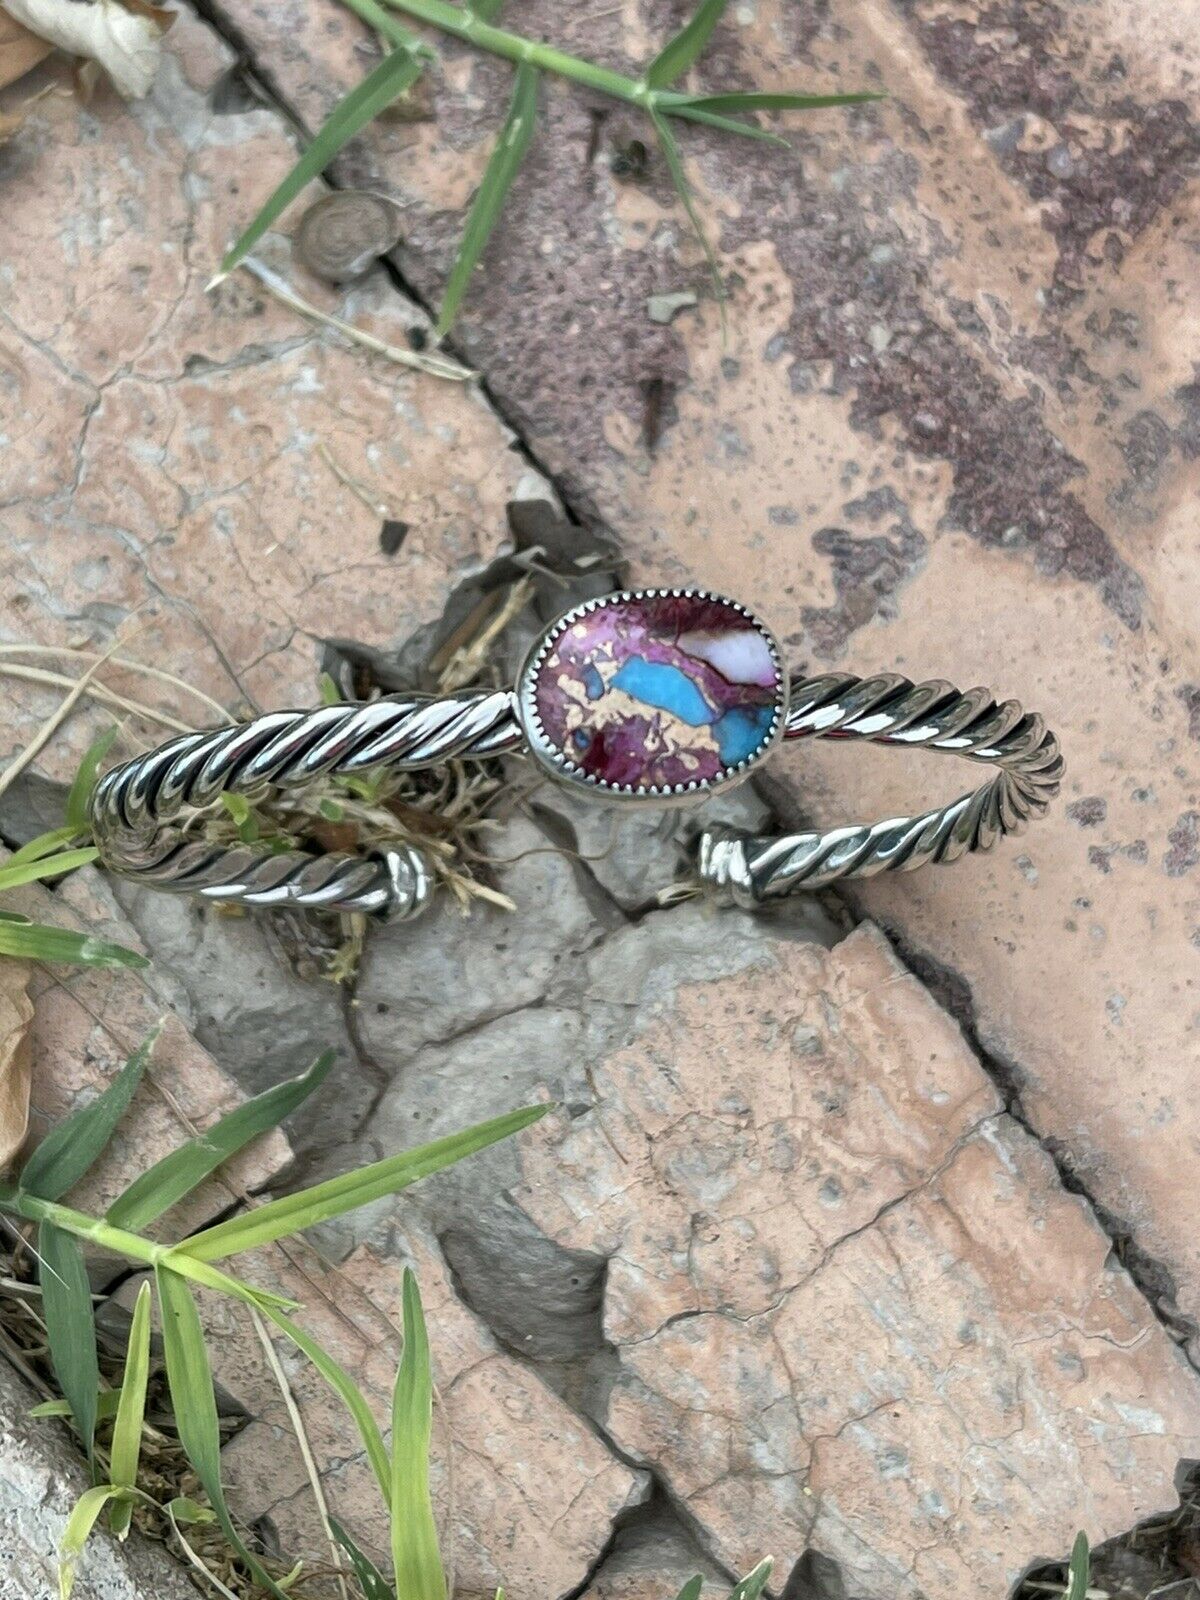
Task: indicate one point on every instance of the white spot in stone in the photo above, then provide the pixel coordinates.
(306, 381)
(1139, 1419)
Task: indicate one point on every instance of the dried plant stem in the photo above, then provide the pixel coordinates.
(93, 691)
(467, 662)
(437, 366)
(197, 1561)
(52, 723)
(360, 491)
(12, 1353)
(298, 1428)
(141, 667)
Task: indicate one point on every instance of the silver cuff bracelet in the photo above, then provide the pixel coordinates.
(645, 697)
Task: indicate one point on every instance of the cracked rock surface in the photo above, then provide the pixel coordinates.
(851, 1305)
(783, 1272)
(526, 1493)
(183, 458)
(952, 432)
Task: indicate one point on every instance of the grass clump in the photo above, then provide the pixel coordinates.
(60, 1232)
(652, 92)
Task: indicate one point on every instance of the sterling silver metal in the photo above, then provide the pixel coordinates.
(138, 809)
(135, 809)
(746, 870)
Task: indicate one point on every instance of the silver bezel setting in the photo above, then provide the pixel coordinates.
(563, 770)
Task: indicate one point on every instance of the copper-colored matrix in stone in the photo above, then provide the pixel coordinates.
(659, 691)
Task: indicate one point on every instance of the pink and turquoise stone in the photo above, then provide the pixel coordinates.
(658, 691)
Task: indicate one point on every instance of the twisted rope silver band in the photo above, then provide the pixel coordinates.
(745, 870)
(135, 807)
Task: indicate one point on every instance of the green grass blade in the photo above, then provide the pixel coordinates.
(771, 101)
(392, 29)
(71, 1146)
(371, 1581)
(238, 808)
(107, 1402)
(48, 866)
(486, 10)
(85, 780)
(177, 1174)
(131, 1411)
(70, 1326)
(710, 119)
(394, 74)
(42, 846)
(188, 1512)
(344, 1386)
(674, 160)
(753, 1584)
(489, 198)
(338, 1195)
(35, 942)
(1079, 1573)
(680, 52)
(691, 1589)
(194, 1404)
(77, 1532)
(416, 1562)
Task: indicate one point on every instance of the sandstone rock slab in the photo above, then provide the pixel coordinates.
(219, 470)
(851, 1305)
(951, 432)
(540, 1298)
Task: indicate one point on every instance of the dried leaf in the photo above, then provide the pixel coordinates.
(125, 40)
(20, 52)
(16, 1056)
(162, 15)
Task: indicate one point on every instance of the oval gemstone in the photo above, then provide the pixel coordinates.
(656, 692)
